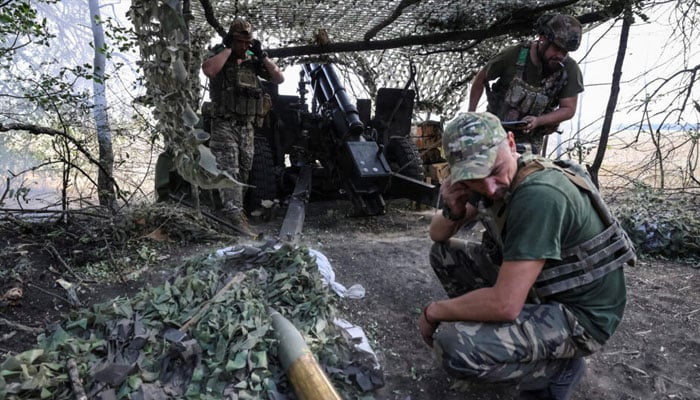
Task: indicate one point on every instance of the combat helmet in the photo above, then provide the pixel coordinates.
(241, 29)
(562, 30)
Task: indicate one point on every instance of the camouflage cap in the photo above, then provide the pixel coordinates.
(563, 30)
(241, 29)
(470, 141)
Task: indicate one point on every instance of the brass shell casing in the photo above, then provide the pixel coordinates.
(309, 381)
(303, 371)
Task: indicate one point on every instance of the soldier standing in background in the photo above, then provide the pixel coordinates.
(238, 106)
(537, 82)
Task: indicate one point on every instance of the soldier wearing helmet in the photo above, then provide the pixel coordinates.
(535, 82)
(238, 104)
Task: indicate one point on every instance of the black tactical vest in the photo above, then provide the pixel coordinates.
(520, 98)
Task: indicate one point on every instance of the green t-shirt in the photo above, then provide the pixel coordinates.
(546, 214)
(502, 67)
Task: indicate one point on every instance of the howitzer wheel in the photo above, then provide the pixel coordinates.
(262, 176)
(403, 158)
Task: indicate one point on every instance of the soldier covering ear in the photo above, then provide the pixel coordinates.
(238, 106)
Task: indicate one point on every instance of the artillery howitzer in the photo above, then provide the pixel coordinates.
(335, 150)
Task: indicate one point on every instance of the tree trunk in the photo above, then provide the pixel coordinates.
(105, 185)
(614, 92)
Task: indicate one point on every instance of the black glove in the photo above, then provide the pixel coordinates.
(256, 49)
(228, 40)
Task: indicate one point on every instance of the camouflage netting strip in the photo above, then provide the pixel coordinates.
(659, 224)
(131, 348)
(171, 58)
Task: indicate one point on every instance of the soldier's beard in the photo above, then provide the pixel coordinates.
(549, 65)
(552, 65)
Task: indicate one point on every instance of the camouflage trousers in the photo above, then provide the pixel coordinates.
(526, 352)
(232, 143)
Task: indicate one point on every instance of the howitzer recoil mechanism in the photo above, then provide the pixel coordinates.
(329, 93)
(336, 150)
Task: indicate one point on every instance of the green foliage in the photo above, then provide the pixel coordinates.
(19, 26)
(46, 84)
(238, 346)
(56, 93)
(40, 92)
(121, 38)
(660, 224)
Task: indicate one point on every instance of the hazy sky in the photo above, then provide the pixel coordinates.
(650, 55)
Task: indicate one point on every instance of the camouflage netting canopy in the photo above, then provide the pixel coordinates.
(382, 42)
(446, 41)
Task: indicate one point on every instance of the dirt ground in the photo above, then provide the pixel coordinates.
(655, 353)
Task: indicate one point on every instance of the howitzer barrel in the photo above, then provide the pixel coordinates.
(327, 87)
(303, 371)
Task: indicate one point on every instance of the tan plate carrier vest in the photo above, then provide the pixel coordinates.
(237, 92)
(590, 260)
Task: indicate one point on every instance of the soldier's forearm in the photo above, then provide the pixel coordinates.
(213, 65)
(276, 75)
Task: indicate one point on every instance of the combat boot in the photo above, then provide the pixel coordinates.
(236, 217)
(243, 226)
(561, 385)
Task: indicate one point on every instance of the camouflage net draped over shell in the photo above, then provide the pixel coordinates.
(122, 341)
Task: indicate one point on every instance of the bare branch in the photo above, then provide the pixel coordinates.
(43, 130)
(383, 24)
(522, 24)
(211, 18)
(21, 327)
(614, 92)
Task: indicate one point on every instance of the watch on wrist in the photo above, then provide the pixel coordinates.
(447, 213)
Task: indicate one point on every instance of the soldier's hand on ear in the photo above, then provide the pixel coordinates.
(228, 40)
(256, 49)
(455, 196)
